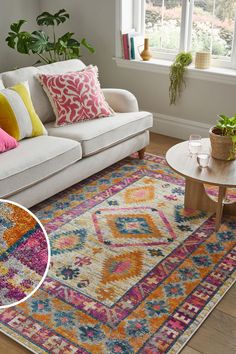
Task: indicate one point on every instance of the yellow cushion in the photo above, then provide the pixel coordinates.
(17, 114)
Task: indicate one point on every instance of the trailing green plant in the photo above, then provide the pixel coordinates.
(177, 71)
(49, 50)
(227, 127)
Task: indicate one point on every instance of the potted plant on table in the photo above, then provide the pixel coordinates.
(223, 138)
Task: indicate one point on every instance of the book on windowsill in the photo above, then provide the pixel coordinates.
(125, 46)
(138, 45)
(132, 44)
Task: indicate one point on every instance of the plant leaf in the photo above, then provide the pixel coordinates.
(61, 16)
(68, 45)
(11, 40)
(17, 39)
(87, 45)
(66, 36)
(48, 19)
(22, 44)
(16, 26)
(50, 46)
(39, 42)
(45, 19)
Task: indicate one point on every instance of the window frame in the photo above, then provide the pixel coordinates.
(138, 25)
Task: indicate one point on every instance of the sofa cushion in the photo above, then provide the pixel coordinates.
(75, 96)
(99, 134)
(62, 67)
(34, 160)
(39, 98)
(17, 114)
(7, 142)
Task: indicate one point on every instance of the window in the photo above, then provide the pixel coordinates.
(213, 27)
(163, 22)
(195, 25)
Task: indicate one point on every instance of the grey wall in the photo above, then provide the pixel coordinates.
(95, 21)
(13, 10)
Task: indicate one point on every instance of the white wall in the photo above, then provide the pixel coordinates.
(13, 10)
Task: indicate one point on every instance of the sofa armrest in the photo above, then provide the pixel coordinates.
(121, 101)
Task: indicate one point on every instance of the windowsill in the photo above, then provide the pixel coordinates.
(216, 74)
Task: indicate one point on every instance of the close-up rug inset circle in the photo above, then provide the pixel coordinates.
(24, 254)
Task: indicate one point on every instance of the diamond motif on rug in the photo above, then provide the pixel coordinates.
(129, 227)
(174, 290)
(122, 267)
(68, 241)
(139, 225)
(139, 194)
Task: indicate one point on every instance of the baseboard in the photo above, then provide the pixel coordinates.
(177, 127)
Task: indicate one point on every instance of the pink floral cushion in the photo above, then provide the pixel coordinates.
(7, 142)
(75, 96)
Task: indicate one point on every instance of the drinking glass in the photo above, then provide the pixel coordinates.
(203, 159)
(195, 144)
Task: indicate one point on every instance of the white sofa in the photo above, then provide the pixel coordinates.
(43, 166)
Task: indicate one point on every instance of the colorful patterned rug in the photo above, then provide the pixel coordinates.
(131, 271)
(23, 254)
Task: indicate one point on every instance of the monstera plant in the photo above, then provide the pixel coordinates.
(49, 48)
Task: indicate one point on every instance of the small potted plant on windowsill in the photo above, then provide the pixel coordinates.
(223, 138)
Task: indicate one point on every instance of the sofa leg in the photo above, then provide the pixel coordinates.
(141, 153)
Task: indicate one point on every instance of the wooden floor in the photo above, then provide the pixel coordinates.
(217, 335)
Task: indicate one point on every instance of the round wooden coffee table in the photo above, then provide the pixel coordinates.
(219, 173)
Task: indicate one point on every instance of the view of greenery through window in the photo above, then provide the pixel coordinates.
(212, 25)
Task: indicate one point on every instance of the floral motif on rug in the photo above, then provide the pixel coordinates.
(132, 271)
(23, 253)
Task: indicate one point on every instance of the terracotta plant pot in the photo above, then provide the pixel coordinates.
(222, 146)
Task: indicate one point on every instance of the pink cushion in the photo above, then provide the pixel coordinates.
(7, 142)
(75, 96)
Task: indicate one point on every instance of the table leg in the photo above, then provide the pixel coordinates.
(230, 209)
(220, 206)
(196, 198)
